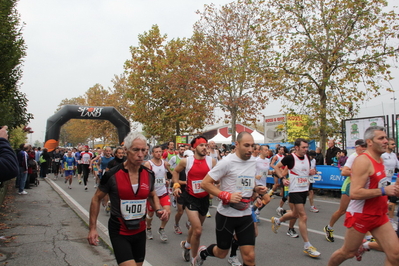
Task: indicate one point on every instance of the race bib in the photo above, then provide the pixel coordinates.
(311, 179)
(69, 167)
(303, 181)
(133, 209)
(389, 173)
(264, 174)
(197, 186)
(160, 181)
(383, 182)
(245, 183)
(56, 160)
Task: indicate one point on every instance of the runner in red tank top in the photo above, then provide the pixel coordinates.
(367, 210)
(196, 200)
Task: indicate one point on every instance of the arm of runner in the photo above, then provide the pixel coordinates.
(162, 214)
(346, 171)
(175, 177)
(362, 168)
(94, 210)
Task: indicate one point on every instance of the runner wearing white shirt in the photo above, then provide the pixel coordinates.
(360, 147)
(391, 162)
(236, 174)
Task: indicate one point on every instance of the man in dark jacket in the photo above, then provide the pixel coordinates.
(22, 157)
(331, 152)
(8, 159)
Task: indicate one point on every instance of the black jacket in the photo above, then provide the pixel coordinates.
(8, 161)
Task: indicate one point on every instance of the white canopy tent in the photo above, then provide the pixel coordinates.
(258, 137)
(220, 139)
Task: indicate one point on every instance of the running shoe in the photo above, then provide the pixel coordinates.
(65, 181)
(80, 182)
(292, 233)
(233, 261)
(275, 225)
(69, 187)
(312, 252)
(280, 211)
(314, 209)
(208, 215)
(95, 185)
(62, 175)
(186, 251)
(198, 260)
(23, 192)
(329, 234)
(372, 239)
(177, 230)
(86, 188)
(149, 234)
(174, 203)
(360, 251)
(162, 234)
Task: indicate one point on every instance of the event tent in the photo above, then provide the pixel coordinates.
(258, 137)
(220, 139)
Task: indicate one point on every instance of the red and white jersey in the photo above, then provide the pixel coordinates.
(196, 170)
(86, 156)
(160, 177)
(299, 174)
(377, 205)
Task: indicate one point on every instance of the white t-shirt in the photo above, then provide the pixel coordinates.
(262, 168)
(350, 160)
(390, 162)
(235, 175)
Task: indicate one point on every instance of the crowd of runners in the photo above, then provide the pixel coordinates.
(137, 181)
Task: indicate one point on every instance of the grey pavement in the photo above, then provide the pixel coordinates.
(40, 228)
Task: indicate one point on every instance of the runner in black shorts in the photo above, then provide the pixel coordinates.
(234, 215)
(127, 225)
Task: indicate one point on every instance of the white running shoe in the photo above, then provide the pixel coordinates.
(23, 192)
(312, 252)
(233, 261)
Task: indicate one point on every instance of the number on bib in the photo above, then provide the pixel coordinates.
(133, 209)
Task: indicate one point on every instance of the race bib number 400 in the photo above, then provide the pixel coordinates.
(160, 181)
(197, 186)
(133, 209)
(245, 183)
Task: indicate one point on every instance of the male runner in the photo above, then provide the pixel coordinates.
(236, 174)
(391, 162)
(298, 164)
(129, 186)
(196, 200)
(159, 167)
(367, 210)
(69, 167)
(360, 147)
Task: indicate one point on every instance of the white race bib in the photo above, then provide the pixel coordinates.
(197, 186)
(133, 209)
(69, 167)
(245, 183)
(56, 160)
(160, 181)
(303, 181)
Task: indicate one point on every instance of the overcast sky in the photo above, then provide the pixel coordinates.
(72, 45)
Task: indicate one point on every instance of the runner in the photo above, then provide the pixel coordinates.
(360, 147)
(69, 167)
(391, 162)
(298, 164)
(86, 156)
(276, 159)
(159, 167)
(129, 185)
(367, 210)
(78, 159)
(196, 200)
(236, 174)
(56, 162)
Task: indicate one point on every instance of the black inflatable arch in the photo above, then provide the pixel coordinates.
(68, 112)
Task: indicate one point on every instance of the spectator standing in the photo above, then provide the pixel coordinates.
(8, 159)
(331, 152)
(23, 169)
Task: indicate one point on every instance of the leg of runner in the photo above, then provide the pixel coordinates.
(343, 205)
(196, 221)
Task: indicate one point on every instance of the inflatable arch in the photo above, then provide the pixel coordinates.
(68, 112)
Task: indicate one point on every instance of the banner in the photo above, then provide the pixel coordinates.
(355, 128)
(274, 128)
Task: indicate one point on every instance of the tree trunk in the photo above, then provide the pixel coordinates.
(233, 125)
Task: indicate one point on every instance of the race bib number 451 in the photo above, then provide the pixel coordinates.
(245, 183)
(133, 209)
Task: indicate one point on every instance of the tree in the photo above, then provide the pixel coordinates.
(167, 93)
(243, 87)
(323, 51)
(17, 136)
(13, 103)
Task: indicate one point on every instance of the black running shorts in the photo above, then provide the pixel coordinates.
(298, 197)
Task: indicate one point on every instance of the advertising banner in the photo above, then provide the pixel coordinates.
(274, 128)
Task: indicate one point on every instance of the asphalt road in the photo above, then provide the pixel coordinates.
(271, 249)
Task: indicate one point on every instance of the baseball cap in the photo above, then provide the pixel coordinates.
(360, 142)
(188, 153)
